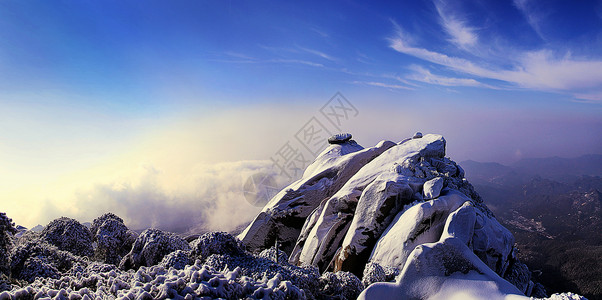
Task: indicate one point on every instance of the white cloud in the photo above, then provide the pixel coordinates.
(462, 36)
(533, 18)
(540, 70)
(318, 53)
(384, 85)
(297, 61)
(423, 75)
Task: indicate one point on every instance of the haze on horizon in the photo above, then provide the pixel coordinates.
(159, 111)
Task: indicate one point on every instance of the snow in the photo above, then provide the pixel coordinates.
(432, 188)
(409, 230)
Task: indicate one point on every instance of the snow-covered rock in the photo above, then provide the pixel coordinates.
(334, 219)
(284, 215)
(150, 248)
(69, 235)
(339, 138)
(432, 188)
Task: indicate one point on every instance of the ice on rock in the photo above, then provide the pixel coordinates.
(284, 215)
(150, 248)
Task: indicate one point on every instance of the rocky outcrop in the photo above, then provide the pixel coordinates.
(405, 207)
(333, 220)
(284, 215)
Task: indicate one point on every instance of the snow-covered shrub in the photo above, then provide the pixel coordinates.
(150, 248)
(373, 272)
(258, 268)
(7, 230)
(36, 258)
(270, 254)
(103, 281)
(112, 238)
(69, 235)
(342, 284)
(177, 260)
(215, 243)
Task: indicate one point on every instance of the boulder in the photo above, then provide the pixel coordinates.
(339, 138)
(432, 188)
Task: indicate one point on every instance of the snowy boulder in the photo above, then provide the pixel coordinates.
(422, 223)
(339, 138)
(447, 269)
(334, 219)
(432, 188)
(69, 235)
(417, 135)
(284, 215)
(150, 248)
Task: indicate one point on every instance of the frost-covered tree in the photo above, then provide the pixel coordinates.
(69, 235)
(7, 230)
(112, 237)
(150, 248)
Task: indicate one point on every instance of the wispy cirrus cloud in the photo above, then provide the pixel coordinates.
(317, 53)
(384, 85)
(421, 74)
(534, 18)
(462, 35)
(540, 70)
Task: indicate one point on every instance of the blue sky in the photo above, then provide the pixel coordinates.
(95, 93)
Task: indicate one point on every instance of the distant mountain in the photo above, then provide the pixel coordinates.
(561, 168)
(553, 207)
(556, 168)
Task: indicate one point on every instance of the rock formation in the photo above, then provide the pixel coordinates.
(402, 206)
